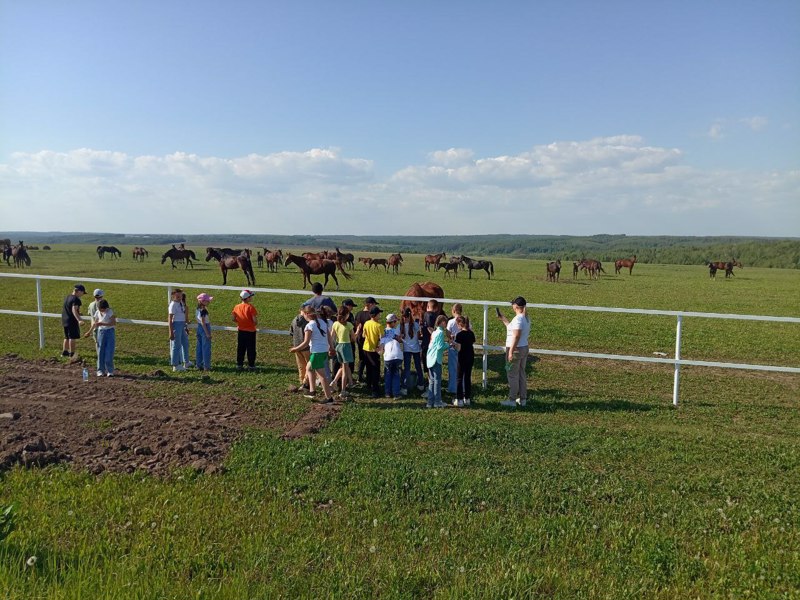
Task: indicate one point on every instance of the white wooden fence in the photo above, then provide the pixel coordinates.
(677, 361)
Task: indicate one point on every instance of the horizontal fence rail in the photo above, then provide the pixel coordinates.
(676, 362)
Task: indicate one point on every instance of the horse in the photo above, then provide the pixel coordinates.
(591, 267)
(449, 267)
(139, 253)
(434, 259)
(232, 261)
(7, 253)
(576, 266)
(625, 263)
(345, 259)
(175, 254)
(485, 265)
(20, 255)
(316, 267)
(554, 271)
(374, 262)
(428, 289)
(113, 250)
(713, 267)
(273, 259)
(46, 248)
(395, 260)
(365, 260)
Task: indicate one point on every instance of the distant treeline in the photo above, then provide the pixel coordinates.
(757, 252)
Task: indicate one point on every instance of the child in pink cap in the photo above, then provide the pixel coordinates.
(203, 352)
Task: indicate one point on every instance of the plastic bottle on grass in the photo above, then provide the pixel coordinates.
(85, 374)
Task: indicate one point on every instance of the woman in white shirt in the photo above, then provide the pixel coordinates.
(105, 323)
(518, 330)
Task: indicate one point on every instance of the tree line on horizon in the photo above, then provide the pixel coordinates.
(682, 250)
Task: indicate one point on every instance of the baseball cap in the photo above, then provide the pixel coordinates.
(370, 300)
(80, 288)
(375, 310)
(391, 317)
(98, 292)
(204, 297)
(348, 302)
(245, 294)
(519, 301)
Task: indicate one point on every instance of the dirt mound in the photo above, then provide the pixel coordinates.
(48, 414)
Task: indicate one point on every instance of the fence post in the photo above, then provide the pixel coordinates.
(39, 310)
(485, 343)
(677, 377)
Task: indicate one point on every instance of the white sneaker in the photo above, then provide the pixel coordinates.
(521, 403)
(456, 402)
(109, 374)
(179, 368)
(509, 403)
(99, 373)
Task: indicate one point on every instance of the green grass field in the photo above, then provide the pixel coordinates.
(600, 489)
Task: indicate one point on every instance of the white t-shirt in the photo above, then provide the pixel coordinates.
(104, 320)
(202, 318)
(176, 309)
(319, 341)
(411, 343)
(392, 349)
(519, 322)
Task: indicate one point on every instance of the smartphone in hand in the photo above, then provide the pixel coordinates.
(497, 310)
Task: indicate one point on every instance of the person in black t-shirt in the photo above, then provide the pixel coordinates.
(71, 319)
(465, 345)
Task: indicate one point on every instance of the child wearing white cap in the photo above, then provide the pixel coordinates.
(392, 348)
(98, 295)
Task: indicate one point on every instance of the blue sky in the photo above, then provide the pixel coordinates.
(511, 117)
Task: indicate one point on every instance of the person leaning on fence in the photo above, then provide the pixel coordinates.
(452, 355)
(245, 316)
(71, 319)
(105, 324)
(518, 330)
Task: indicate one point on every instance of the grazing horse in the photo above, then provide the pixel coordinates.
(449, 268)
(434, 259)
(365, 260)
(139, 253)
(591, 267)
(346, 259)
(316, 267)
(113, 250)
(176, 254)
(554, 271)
(374, 262)
(428, 289)
(232, 261)
(485, 265)
(625, 263)
(395, 260)
(46, 248)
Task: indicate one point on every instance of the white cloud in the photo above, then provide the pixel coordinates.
(715, 131)
(755, 123)
(611, 184)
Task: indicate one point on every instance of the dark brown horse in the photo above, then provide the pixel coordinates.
(176, 254)
(554, 271)
(273, 259)
(713, 267)
(591, 267)
(625, 263)
(112, 250)
(450, 268)
(365, 260)
(316, 267)
(428, 289)
(395, 260)
(235, 261)
(346, 259)
(375, 262)
(434, 259)
(485, 265)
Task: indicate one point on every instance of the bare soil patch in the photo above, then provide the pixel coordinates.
(48, 414)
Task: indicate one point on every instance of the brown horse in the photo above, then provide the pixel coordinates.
(273, 259)
(316, 267)
(713, 267)
(228, 262)
(20, 255)
(139, 253)
(395, 260)
(625, 263)
(365, 260)
(554, 271)
(450, 268)
(346, 259)
(421, 290)
(434, 259)
(591, 267)
(374, 262)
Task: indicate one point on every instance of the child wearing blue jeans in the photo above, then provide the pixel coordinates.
(392, 357)
(438, 344)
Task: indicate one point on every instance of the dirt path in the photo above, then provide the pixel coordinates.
(48, 414)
